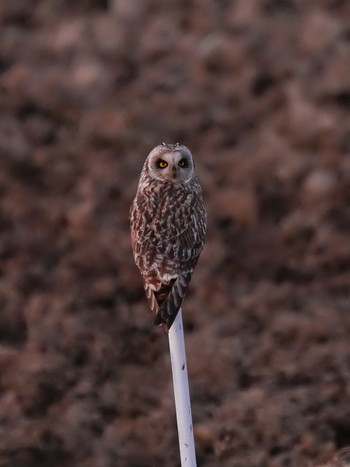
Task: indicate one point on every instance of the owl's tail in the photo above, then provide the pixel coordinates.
(169, 299)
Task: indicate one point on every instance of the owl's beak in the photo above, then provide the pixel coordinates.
(174, 172)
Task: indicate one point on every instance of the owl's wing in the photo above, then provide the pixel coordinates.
(189, 243)
(170, 305)
(166, 284)
(166, 249)
(145, 252)
(165, 240)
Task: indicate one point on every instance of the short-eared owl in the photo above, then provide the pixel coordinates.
(168, 224)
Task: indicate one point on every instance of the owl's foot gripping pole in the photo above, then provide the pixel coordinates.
(182, 393)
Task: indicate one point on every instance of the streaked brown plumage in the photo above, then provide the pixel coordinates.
(168, 224)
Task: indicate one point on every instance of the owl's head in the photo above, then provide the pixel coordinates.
(170, 162)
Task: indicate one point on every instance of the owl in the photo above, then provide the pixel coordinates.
(168, 225)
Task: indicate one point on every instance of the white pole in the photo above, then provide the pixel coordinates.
(182, 393)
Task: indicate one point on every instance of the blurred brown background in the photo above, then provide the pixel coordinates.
(260, 92)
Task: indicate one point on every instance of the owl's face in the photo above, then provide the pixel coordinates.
(171, 162)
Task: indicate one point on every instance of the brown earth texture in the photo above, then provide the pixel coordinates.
(259, 90)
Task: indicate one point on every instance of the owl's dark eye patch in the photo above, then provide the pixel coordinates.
(183, 163)
(162, 164)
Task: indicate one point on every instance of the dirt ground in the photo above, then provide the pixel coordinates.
(259, 90)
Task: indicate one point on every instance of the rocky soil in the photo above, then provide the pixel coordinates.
(259, 90)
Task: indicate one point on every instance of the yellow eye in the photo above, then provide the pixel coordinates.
(162, 164)
(182, 163)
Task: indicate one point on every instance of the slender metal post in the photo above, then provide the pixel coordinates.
(182, 393)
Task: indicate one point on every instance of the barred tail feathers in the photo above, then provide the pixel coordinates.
(169, 300)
